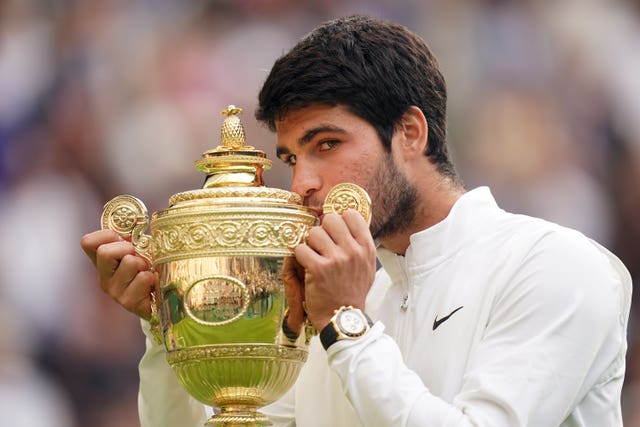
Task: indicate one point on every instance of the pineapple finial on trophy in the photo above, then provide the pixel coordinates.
(233, 162)
(232, 133)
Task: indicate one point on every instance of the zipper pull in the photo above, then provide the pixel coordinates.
(405, 302)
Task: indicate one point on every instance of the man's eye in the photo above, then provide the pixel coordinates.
(328, 145)
(291, 160)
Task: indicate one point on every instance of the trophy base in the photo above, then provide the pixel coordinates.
(238, 417)
(238, 378)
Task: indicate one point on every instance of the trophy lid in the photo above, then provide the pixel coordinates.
(234, 169)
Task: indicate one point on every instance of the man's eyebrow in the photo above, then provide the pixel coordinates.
(308, 137)
(311, 133)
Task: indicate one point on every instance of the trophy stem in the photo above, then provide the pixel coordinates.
(238, 416)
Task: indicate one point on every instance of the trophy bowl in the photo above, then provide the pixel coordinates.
(219, 252)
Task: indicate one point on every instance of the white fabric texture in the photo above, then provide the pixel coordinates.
(490, 319)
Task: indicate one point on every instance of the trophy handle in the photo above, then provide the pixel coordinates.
(128, 216)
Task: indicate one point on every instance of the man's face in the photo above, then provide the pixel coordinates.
(326, 146)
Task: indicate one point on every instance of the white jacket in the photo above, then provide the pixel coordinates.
(491, 319)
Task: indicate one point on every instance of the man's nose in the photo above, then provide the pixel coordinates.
(305, 180)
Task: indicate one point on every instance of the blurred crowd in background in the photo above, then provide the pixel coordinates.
(104, 97)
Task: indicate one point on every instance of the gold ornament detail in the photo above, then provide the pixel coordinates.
(223, 351)
(232, 134)
(123, 214)
(271, 194)
(127, 216)
(222, 235)
(348, 196)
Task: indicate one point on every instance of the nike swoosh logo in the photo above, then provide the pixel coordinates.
(437, 322)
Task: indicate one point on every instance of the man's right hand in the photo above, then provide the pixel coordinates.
(123, 275)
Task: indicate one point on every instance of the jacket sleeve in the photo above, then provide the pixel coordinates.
(556, 332)
(162, 402)
(382, 389)
(282, 411)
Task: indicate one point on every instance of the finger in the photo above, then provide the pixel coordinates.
(306, 256)
(293, 278)
(292, 271)
(136, 297)
(320, 241)
(91, 241)
(127, 271)
(299, 269)
(109, 256)
(337, 229)
(358, 227)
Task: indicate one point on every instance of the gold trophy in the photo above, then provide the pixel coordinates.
(219, 252)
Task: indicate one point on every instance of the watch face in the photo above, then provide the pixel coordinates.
(351, 323)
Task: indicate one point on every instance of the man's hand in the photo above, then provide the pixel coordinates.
(339, 259)
(123, 275)
(293, 278)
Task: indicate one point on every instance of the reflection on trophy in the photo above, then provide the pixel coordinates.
(219, 252)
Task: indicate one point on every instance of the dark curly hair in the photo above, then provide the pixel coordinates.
(376, 69)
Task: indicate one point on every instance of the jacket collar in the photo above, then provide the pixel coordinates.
(469, 215)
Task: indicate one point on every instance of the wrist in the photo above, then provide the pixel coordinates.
(296, 316)
(292, 323)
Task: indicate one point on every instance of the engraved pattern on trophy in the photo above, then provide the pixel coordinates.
(222, 233)
(233, 350)
(277, 195)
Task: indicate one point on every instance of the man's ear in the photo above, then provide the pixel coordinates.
(413, 132)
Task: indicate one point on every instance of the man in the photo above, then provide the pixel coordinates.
(480, 317)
